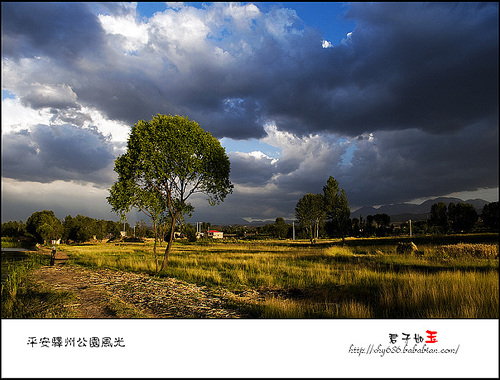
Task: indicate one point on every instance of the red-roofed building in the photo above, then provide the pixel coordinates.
(215, 234)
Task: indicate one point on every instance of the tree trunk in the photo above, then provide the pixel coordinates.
(169, 245)
(154, 247)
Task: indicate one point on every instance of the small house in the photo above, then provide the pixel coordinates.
(215, 234)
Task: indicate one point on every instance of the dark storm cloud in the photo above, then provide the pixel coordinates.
(431, 66)
(401, 166)
(406, 65)
(422, 77)
(62, 152)
(63, 30)
(130, 87)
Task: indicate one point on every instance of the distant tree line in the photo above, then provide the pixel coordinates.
(373, 225)
(278, 230)
(462, 217)
(44, 226)
(443, 219)
(328, 215)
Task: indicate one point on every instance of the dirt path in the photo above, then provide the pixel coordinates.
(101, 291)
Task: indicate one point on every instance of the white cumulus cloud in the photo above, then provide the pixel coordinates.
(326, 44)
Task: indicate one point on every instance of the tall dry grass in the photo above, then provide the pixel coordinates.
(442, 295)
(447, 281)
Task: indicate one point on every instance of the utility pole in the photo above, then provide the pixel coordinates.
(293, 230)
(410, 227)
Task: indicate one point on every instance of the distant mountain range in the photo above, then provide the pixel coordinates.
(401, 212)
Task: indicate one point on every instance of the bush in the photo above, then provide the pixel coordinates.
(190, 232)
(406, 248)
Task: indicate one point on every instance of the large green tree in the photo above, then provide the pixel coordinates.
(44, 226)
(338, 213)
(80, 228)
(168, 159)
(310, 212)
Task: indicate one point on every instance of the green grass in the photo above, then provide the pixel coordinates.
(23, 298)
(10, 242)
(300, 280)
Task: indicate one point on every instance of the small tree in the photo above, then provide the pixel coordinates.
(141, 229)
(310, 212)
(382, 221)
(168, 159)
(46, 232)
(126, 194)
(280, 228)
(337, 208)
(80, 228)
(190, 231)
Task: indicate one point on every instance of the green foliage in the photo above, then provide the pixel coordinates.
(280, 228)
(108, 229)
(22, 297)
(332, 207)
(462, 216)
(83, 228)
(491, 216)
(141, 229)
(439, 216)
(44, 226)
(168, 159)
(13, 229)
(309, 211)
(80, 228)
(190, 231)
(338, 213)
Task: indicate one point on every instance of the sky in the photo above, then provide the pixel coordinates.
(397, 101)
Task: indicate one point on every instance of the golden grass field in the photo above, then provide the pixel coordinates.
(299, 280)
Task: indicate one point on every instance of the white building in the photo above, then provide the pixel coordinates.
(215, 234)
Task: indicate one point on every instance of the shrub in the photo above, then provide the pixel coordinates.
(406, 248)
